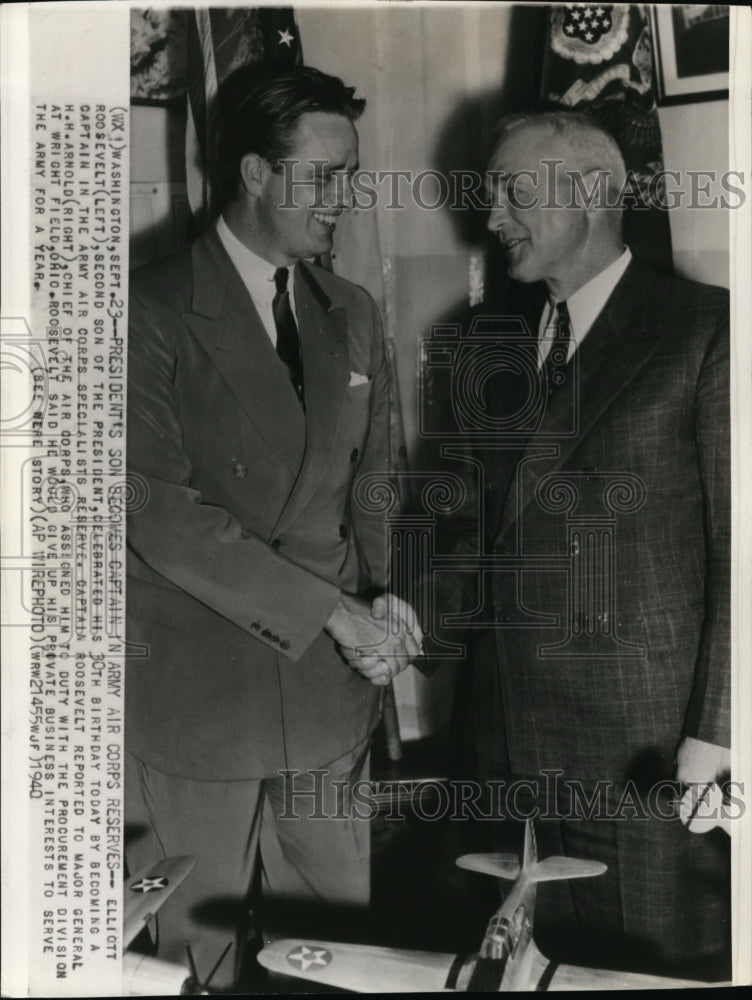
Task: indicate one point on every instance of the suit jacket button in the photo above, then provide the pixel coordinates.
(284, 644)
(239, 470)
(342, 531)
(275, 543)
(267, 633)
(256, 626)
(354, 455)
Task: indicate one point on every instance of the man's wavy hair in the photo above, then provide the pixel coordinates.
(591, 140)
(259, 108)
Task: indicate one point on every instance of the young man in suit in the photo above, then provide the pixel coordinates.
(610, 499)
(258, 396)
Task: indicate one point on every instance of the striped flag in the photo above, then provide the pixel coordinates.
(219, 41)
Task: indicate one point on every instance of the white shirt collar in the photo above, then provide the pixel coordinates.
(257, 275)
(585, 304)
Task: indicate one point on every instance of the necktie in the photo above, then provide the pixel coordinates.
(555, 366)
(288, 340)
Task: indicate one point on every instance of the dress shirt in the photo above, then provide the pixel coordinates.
(583, 305)
(258, 277)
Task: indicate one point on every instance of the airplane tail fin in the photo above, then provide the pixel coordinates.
(507, 866)
(555, 868)
(530, 851)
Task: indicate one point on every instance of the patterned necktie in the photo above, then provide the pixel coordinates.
(288, 340)
(555, 366)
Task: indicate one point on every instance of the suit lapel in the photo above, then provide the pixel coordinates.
(323, 338)
(225, 322)
(619, 344)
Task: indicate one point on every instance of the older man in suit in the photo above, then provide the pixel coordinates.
(258, 395)
(607, 510)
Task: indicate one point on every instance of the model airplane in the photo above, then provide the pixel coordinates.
(143, 894)
(508, 958)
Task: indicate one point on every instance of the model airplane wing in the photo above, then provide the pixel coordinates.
(553, 869)
(501, 865)
(358, 967)
(575, 977)
(147, 890)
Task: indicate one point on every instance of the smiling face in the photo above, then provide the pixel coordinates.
(294, 208)
(542, 238)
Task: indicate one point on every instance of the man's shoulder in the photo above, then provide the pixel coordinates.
(681, 317)
(170, 280)
(675, 293)
(338, 288)
(164, 278)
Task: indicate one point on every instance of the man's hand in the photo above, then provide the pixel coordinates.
(401, 614)
(378, 640)
(701, 766)
(698, 761)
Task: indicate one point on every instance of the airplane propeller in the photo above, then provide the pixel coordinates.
(199, 988)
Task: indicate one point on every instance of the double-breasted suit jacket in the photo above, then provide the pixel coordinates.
(613, 637)
(243, 529)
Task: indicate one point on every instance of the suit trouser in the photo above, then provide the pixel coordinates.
(662, 906)
(315, 856)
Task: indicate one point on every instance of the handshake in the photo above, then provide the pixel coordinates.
(378, 640)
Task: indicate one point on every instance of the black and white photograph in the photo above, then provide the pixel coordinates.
(375, 444)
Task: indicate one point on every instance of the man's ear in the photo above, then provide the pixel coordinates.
(253, 172)
(593, 191)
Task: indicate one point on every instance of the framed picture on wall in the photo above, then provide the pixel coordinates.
(691, 51)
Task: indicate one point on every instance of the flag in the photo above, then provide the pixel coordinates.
(220, 40)
(599, 61)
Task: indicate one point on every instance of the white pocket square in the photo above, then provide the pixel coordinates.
(357, 379)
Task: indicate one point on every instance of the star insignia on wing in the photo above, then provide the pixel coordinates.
(285, 38)
(305, 958)
(149, 884)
